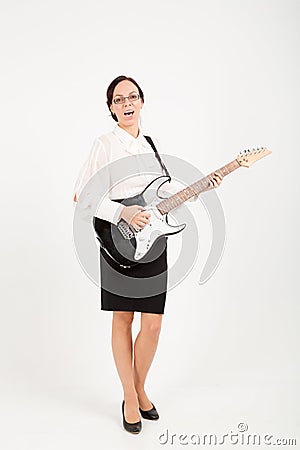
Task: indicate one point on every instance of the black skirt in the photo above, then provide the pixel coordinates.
(142, 287)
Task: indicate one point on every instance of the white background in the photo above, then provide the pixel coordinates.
(218, 77)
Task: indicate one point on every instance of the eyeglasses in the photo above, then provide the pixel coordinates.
(131, 98)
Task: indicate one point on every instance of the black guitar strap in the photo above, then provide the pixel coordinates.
(157, 156)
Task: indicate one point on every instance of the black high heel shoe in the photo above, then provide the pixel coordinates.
(151, 414)
(131, 427)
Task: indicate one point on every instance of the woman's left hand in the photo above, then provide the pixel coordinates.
(216, 179)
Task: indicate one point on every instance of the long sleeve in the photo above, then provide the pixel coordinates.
(87, 195)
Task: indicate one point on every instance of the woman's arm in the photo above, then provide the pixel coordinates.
(98, 159)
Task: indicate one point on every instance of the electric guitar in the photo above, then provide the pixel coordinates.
(127, 246)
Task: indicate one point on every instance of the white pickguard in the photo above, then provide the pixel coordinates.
(156, 227)
(158, 224)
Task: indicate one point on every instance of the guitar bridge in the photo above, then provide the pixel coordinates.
(125, 229)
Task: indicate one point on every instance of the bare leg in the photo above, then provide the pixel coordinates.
(144, 350)
(122, 352)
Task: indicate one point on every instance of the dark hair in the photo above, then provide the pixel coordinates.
(111, 88)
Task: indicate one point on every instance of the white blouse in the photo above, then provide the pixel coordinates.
(111, 147)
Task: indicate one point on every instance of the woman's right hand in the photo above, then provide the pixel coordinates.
(136, 216)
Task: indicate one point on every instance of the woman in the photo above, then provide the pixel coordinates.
(125, 99)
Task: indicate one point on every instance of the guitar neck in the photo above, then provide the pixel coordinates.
(196, 188)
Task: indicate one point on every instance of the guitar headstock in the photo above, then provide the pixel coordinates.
(248, 157)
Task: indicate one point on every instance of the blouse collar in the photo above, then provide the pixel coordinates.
(126, 137)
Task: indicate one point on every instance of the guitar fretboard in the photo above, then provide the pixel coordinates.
(199, 186)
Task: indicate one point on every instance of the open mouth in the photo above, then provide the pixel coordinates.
(128, 113)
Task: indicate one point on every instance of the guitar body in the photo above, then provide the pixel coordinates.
(129, 247)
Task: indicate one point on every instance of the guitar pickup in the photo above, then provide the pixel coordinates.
(125, 229)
